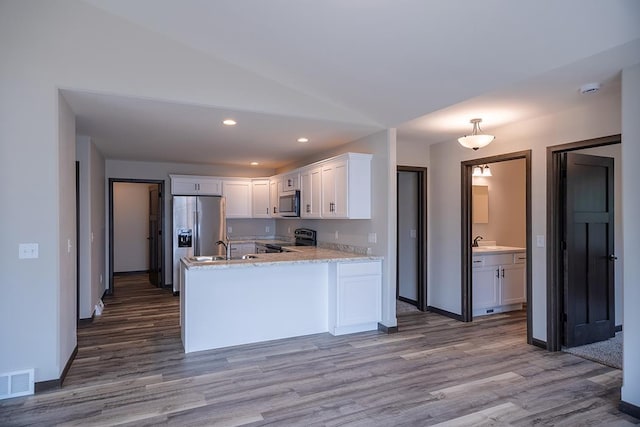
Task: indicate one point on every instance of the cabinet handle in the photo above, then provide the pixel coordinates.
(498, 273)
(267, 211)
(308, 208)
(503, 272)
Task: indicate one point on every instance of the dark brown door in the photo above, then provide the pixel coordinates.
(155, 237)
(588, 249)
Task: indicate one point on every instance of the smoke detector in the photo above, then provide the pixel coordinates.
(590, 88)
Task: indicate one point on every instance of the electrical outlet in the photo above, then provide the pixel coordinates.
(337, 235)
(92, 237)
(373, 237)
(267, 229)
(100, 278)
(229, 229)
(27, 250)
(288, 230)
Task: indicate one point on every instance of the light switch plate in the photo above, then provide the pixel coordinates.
(373, 237)
(540, 241)
(28, 250)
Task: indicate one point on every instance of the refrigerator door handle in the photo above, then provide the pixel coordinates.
(196, 242)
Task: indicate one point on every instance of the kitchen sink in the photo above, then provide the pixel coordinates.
(207, 258)
(249, 256)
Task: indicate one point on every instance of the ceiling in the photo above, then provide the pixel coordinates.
(424, 67)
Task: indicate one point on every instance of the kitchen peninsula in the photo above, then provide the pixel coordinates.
(305, 290)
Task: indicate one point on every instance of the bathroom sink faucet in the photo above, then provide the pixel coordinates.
(475, 241)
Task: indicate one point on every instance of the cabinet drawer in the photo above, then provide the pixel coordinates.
(498, 259)
(477, 262)
(359, 268)
(519, 258)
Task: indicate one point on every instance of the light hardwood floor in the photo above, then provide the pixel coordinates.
(130, 370)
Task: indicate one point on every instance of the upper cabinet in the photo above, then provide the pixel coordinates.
(346, 186)
(291, 181)
(238, 195)
(190, 185)
(260, 198)
(311, 192)
(275, 188)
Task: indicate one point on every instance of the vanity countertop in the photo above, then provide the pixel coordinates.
(490, 250)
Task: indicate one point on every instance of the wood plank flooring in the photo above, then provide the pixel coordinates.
(131, 370)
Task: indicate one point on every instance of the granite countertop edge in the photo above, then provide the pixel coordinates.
(298, 255)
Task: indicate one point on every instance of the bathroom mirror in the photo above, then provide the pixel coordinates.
(480, 202)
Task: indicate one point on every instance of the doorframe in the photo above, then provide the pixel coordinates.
(466, 226)
(421, 232)
(555, 286)
(160, 183)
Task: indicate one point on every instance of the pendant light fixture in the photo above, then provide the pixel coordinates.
(477, 139)
(481, 170)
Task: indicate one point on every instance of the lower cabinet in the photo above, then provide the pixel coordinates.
(355, 293)
(498, 282)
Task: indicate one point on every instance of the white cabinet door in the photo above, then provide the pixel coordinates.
(513, 284)
(328, 190)
(275, 188)
(291, 181)
(341, 182)
(188, 185)
(238, 195)
(260, 198)
(486, 288)
(346, 187)
(310, 193)
(356, 298)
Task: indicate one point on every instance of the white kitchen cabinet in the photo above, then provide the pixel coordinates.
(310, 192)
(275, 188)
(499, 282)
(238, 195)
(346, 186)
(242, 248)
(291, 181)
(260, 198)
(355, 297)
(191, 185)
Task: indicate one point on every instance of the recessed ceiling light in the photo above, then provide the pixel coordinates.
(229, 122)
(303, 139)
(254, 163)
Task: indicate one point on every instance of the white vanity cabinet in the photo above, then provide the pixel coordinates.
(310, 192)
(238, 195)
(192, 185)
(260, 193)
(498, 282)
(355, 292)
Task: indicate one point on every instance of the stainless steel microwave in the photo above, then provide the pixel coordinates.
(289, 204)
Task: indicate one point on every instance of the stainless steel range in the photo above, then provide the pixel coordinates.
(305, 237)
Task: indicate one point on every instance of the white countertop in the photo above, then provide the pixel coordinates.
(489, 250)
(297, 255)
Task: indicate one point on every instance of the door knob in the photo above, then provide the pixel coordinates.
(612, 257)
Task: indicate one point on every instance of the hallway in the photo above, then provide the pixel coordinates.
(130, 370)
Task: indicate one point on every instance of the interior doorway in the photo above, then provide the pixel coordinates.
(467, 238)
(581, 254)
(411, 271)
(136, 224)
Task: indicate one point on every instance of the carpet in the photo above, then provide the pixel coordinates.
(403, 307)
(607, 352)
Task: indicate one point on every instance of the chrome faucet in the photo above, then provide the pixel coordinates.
(475, 241)
(227, 247)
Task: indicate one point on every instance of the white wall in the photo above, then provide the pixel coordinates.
(130, 227)
(92, 225)
(630, 209)
(599, 116)
(412, 153)
(66, 298)
(507, 204)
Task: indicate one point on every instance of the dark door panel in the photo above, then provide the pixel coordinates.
(588, 236)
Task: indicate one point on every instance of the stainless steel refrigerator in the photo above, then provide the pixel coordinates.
(198, 223)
